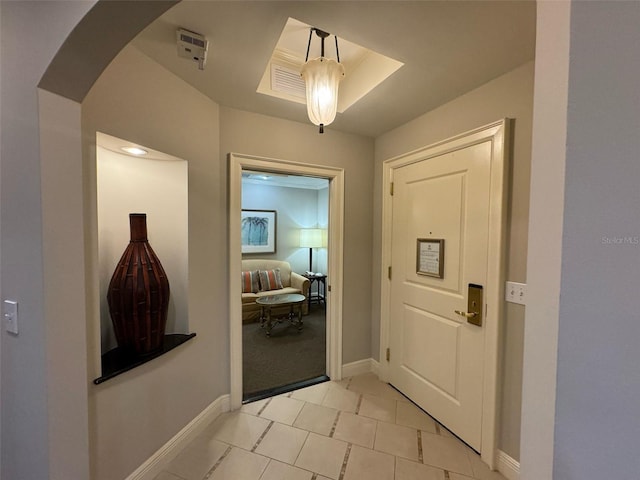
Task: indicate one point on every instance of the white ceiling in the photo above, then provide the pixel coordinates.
(448, 48)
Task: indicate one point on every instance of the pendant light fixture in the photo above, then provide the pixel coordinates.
(322, 77)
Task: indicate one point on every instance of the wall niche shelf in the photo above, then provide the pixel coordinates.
(116, 362)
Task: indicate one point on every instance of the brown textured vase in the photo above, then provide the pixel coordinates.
(138, 294)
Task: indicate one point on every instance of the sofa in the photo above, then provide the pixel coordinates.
(291, 283)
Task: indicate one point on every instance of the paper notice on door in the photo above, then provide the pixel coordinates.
(430, 259)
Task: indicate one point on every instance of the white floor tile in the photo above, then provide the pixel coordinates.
(383, 439)
(282, 442)
(344, 383)
(369, 383)
(380, 408)
(239, 429)
(254, 407)
(322, 455)
(316, 418)
(447, 453)
(281, 471)
(282, 409)
(240, 465)
(341, 399)
(356, 429)
(368, 464)
(313, 394)
(409, 415)
(446, 433)
(408, 470)
(397, 440)
(196, 460)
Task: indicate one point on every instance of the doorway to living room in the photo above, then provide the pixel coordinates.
(326, 288)
(284, 231)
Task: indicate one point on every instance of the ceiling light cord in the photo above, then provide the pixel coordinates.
(308, 45)
(322, 34)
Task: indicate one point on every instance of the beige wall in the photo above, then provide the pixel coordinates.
(510, 95)
(134, 414)
(253, 134)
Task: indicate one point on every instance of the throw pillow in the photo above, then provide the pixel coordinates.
(250, 282)
(270, 280)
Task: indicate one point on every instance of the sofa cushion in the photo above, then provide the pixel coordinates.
(270, 280)
(249, 298)
(250, 282)
(281, 291)
(264, 264)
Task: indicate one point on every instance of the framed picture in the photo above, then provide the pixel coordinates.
(430, 257)
(258, 229)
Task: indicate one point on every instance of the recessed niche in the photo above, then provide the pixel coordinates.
(155, 184)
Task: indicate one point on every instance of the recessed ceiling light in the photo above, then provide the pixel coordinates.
(134, 150)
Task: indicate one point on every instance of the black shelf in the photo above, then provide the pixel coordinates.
(116, 361)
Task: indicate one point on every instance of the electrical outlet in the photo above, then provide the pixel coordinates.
(10, 311)
(516, 293)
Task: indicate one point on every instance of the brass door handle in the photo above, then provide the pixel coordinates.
(466, 314)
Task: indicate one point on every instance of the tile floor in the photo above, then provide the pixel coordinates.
(358, 428)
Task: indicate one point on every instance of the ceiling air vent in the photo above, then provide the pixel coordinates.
(193, 46)
(287, 80)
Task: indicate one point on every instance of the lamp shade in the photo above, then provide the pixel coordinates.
(311, 237)
(322, 77)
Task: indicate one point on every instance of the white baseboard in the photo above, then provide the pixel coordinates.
(508, 466)
(375, 366)
(360, 367)
(155, 464)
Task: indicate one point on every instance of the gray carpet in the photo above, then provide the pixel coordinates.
(288, 356)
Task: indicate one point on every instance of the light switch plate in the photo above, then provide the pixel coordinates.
(516, 293)
(10, 312)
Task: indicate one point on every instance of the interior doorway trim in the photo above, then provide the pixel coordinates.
(498, 134)
(238, 162)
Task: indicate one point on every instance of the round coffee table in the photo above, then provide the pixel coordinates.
(292, 300)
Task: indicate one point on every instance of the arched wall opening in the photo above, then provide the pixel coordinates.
(73, 407)
(152, 403)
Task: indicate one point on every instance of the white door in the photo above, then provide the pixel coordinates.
(436, 355)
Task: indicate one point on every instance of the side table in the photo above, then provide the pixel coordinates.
(319, 296)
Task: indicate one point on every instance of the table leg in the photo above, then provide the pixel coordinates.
(269, 326)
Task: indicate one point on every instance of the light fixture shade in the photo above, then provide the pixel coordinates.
(312, 237)
(322, 77)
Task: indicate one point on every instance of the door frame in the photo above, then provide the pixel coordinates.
(499, 135)
(238, 162)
